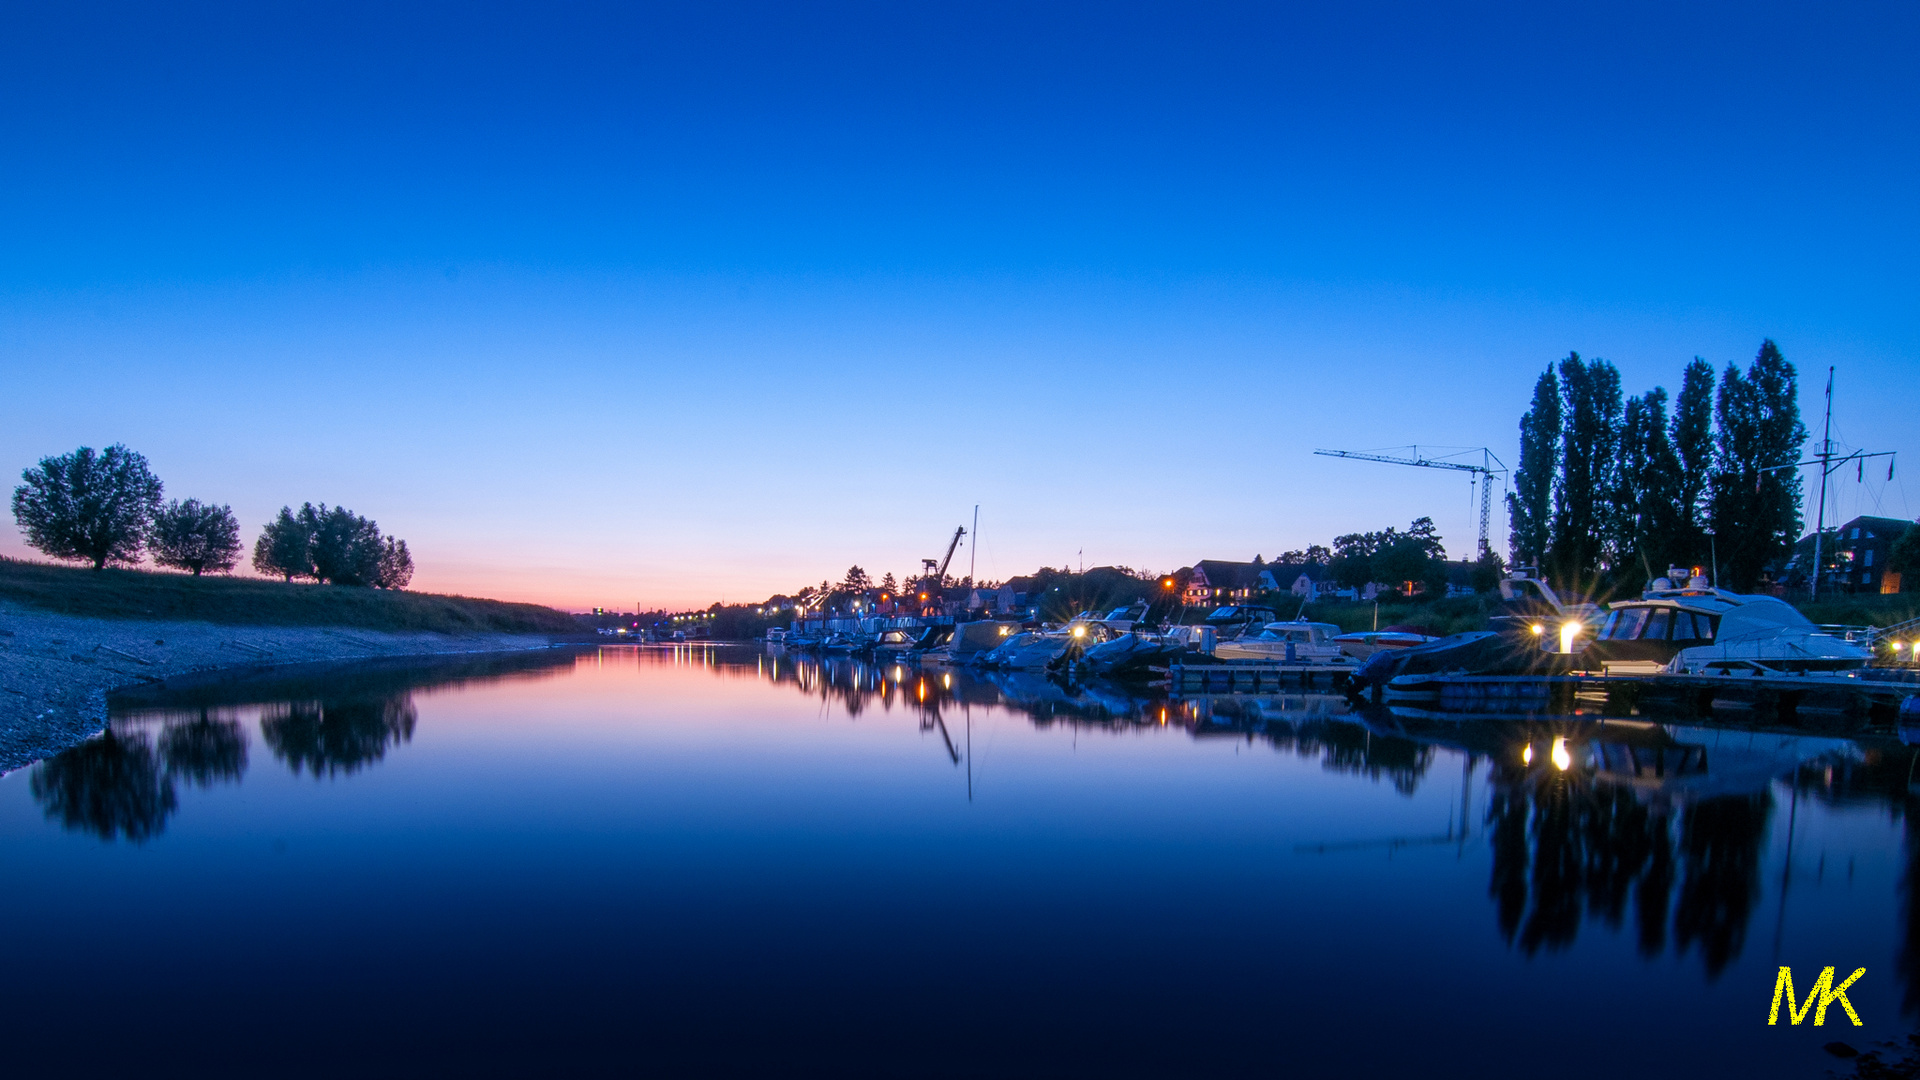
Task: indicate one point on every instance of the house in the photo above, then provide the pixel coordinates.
(1864, 544)
(1308, 581)
(1216, 581)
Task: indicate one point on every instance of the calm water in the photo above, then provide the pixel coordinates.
(715, 861)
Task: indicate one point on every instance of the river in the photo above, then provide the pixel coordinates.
(720, 860)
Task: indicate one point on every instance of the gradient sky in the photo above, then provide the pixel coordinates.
(597, 306)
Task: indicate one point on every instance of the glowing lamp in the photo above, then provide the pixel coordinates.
(1526, 755)
(1538, 629)
(1562, 760)
(1568, 631)
(1079, 631)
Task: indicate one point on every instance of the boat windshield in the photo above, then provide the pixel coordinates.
(1656, 624)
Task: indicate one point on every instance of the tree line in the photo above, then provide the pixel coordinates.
(105, 507)
(1613, 492)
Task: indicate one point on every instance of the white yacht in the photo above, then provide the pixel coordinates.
(1695, 628)
(1298, 642)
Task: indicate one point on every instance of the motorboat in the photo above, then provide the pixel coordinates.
(1132, 654)
(1298, 642)
(776, 635)
(1236, 620)
(1695, 628)
(1364, 643)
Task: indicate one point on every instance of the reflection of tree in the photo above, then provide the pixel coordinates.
(342, 735)
(1566, 849)
(111, 786)
(1910, 937)
(205, 750)
(1720, 847)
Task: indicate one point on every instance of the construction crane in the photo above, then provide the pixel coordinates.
(1483, 474)
(939, 576)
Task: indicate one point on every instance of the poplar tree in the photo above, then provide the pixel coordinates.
(1589, 448)
(1756, 503)
(1530, 503)
(1648, 496)
(1693, 447)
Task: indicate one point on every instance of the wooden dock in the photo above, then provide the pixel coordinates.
(1781, 696)
(1252, 677)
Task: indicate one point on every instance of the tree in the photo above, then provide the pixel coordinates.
(97, 507)
(1530, 504)
(888, 585)
(1647, 498)
(856, 581)
(1589, 444)
(1904, 557)
(1693, 448)
(196, 537)
(1755, 500)
(396, 565)
(285, 546)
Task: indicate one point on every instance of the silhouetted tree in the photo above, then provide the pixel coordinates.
(1904, 558)
(1589, 449)
(1755, 505)
(110, 786)
(396, 564)
(855, 581)
(1647, 496)
(285, 546)
(1693, 448)
(1530, 503)
(346, 547)
(195, 536)
(90, 506)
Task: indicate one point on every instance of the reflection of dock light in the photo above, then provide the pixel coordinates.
(946, 681)
(1568, 631)
(1561, 759)
(1526, 755)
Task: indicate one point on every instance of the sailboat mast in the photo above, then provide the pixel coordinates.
(1820, 515)
(973, 549)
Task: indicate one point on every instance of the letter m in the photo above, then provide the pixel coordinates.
(1821, 994)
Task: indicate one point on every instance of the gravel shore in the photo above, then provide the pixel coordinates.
(56, 670)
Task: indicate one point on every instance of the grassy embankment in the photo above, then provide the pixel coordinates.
(1459, 614)
(147, 594)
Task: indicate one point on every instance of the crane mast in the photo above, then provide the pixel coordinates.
(1483, 475)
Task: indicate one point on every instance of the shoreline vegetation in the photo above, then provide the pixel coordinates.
(69, 636)
(115, 593)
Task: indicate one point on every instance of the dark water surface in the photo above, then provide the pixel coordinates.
(631, 862)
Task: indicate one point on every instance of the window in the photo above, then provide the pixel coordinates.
(1624, 624)
(1685, 628)
(1869, 556)
(1656, 629)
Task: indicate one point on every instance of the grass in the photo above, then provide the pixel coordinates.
(1863, 610)
(148, 594)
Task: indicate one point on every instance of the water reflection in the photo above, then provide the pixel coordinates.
(112, 787)
(338, 735)
(1588, 818)
(205, 748)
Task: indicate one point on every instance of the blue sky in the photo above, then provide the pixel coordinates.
(597, 305)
